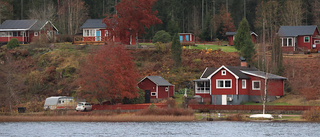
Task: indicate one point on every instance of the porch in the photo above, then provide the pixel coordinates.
(202, 86)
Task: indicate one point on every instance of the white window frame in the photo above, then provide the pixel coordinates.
(316, 41)
(167, 89)
(224, 83)
(244, 84)
(223, 72)
(287, 42)
(253, 88)
(153, 93)
(304, 39)
(35, 33)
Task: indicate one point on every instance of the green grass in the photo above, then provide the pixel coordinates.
(214, 47)
(148, 44)
(269, 103)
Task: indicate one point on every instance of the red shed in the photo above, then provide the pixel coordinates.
(295, 38)
(231, 37)
(26, 30)
(234, 85)
(156, 88)
(94, 30)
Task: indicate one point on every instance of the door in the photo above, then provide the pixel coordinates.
(147, 96)
(98, 35)
(224, 100)
(187, 38)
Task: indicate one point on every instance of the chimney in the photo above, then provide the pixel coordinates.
(243, 62)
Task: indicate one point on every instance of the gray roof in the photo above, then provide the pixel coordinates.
(17, 24)
(263, 74)
(158, 80)
(38, 25)
(293, 31)
(234, 33)
(93, 23)
(234, 69)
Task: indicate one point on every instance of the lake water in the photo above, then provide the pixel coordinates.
(154, 129)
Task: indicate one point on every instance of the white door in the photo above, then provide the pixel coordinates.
(224, 100)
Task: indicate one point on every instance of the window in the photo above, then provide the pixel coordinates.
(244, 84)
(85, 32)
(167, 88)
(223, 72)
(287, 42)
(225, 83)
(317, 42)
(106, 33)
(203, 87)
(256, 85)
(3, 34)
(306, 39)
(15, 34)
(153, 93)
(35, 33)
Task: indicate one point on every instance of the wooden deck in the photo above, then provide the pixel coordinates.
(79, 40)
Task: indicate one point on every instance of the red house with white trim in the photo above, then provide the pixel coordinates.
(26, 30)
(186, 37)
(299, 38)
(156, 88)
(234, 85)
(94, 30)
(231, 37)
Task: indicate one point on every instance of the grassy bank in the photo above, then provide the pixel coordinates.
(86, 118)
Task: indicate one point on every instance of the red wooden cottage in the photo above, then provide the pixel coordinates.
(186, 37)
(299, 38)
(94, 30)
(26, 30)
(156, 88)
(234, 85)
(231, 37)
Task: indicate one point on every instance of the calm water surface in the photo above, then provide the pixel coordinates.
(153, 129)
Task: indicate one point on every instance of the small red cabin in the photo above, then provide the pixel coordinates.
(156, 88)
(231, 37)
(299, 38)
(186, 37)
(234, 85)
(26, 30)
(94, 30)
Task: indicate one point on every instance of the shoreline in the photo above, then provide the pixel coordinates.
(86, 117)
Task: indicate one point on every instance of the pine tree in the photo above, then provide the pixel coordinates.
(276, 57)
(243, 41)
(176, 50)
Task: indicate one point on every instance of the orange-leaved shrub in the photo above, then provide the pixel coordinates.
(154, 110)
(235, 117)
(312, 115)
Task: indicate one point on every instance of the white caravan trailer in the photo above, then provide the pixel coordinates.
(59, 102)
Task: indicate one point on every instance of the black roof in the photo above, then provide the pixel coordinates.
(93, 23)
(293, 31)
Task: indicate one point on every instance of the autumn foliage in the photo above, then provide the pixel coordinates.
(131, 18)
(108, 74)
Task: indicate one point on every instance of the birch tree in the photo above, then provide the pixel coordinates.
(292, 13)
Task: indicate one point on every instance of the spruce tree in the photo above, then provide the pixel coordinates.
(176, 50)
(243, 41)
